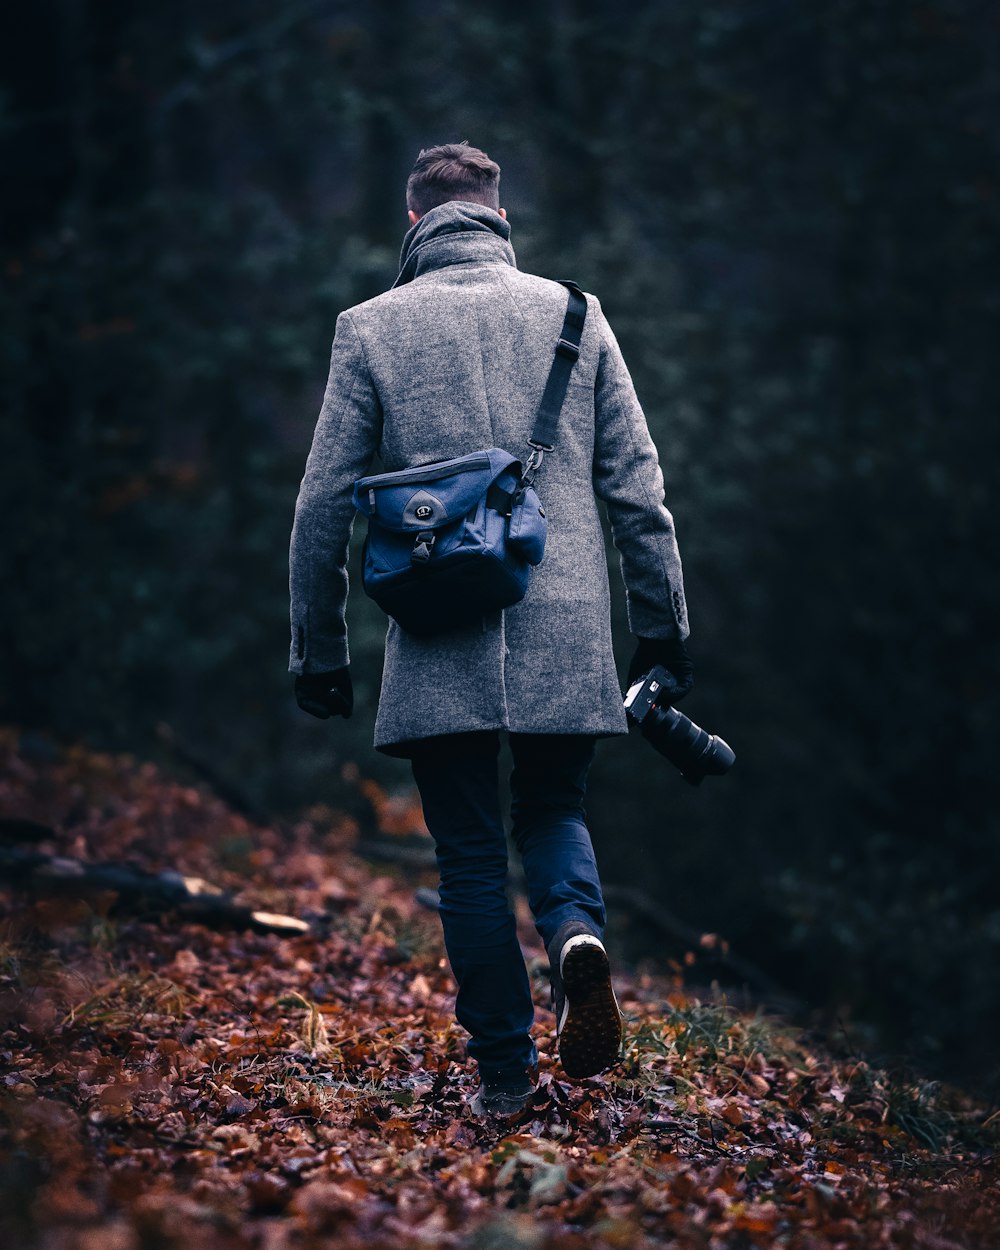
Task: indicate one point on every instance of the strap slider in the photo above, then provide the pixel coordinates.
(570, 350)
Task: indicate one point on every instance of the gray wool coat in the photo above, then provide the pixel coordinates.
(452, 359)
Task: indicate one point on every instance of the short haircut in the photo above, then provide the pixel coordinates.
(452, 171)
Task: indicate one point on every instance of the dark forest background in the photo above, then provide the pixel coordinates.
(790, 214)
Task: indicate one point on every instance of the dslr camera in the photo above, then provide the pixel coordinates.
(696, 753)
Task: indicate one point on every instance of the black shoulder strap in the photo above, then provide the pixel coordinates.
(543, 436)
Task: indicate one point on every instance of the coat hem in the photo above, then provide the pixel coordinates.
(403, 748)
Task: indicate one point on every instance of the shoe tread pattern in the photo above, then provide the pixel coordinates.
(591, 1036)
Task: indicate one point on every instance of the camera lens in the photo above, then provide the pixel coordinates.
(694, 752)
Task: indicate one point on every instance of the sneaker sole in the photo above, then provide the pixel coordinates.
(590, 1034)
(499, 1108)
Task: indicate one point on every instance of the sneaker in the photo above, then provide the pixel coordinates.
(588, 1022)
(503, 1097)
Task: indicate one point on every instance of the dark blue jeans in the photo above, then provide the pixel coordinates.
(457, 778)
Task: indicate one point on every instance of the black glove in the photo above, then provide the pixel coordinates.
(672, 654)
(325, 694)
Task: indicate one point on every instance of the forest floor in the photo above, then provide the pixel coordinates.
(167, 1085)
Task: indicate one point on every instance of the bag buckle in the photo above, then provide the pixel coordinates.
(423, 545)
(570, 350)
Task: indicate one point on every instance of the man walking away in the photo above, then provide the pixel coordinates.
(452, 359)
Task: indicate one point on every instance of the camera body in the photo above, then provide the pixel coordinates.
(694, 752)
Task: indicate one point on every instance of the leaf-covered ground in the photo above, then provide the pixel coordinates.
(165, 1085)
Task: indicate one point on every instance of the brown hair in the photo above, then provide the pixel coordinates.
(452, 171)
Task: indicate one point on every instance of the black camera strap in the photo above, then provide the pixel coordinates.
(543, 435)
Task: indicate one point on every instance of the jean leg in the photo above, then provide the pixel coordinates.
(549, 829)
(457, 780)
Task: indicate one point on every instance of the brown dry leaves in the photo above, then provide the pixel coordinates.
(174, 1087)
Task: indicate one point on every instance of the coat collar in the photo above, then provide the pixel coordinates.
(454, 233)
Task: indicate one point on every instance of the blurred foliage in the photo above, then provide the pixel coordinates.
(790, 215)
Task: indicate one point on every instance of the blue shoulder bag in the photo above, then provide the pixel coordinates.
(451, 541)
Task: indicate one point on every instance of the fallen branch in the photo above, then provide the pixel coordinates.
(137, 892)
(412, 853)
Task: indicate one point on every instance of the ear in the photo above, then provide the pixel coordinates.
(503, 213)
(413, 217)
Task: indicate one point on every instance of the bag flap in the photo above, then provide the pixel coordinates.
(432, 495)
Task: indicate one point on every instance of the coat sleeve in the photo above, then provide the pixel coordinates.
(627, 477)
(347, 436)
